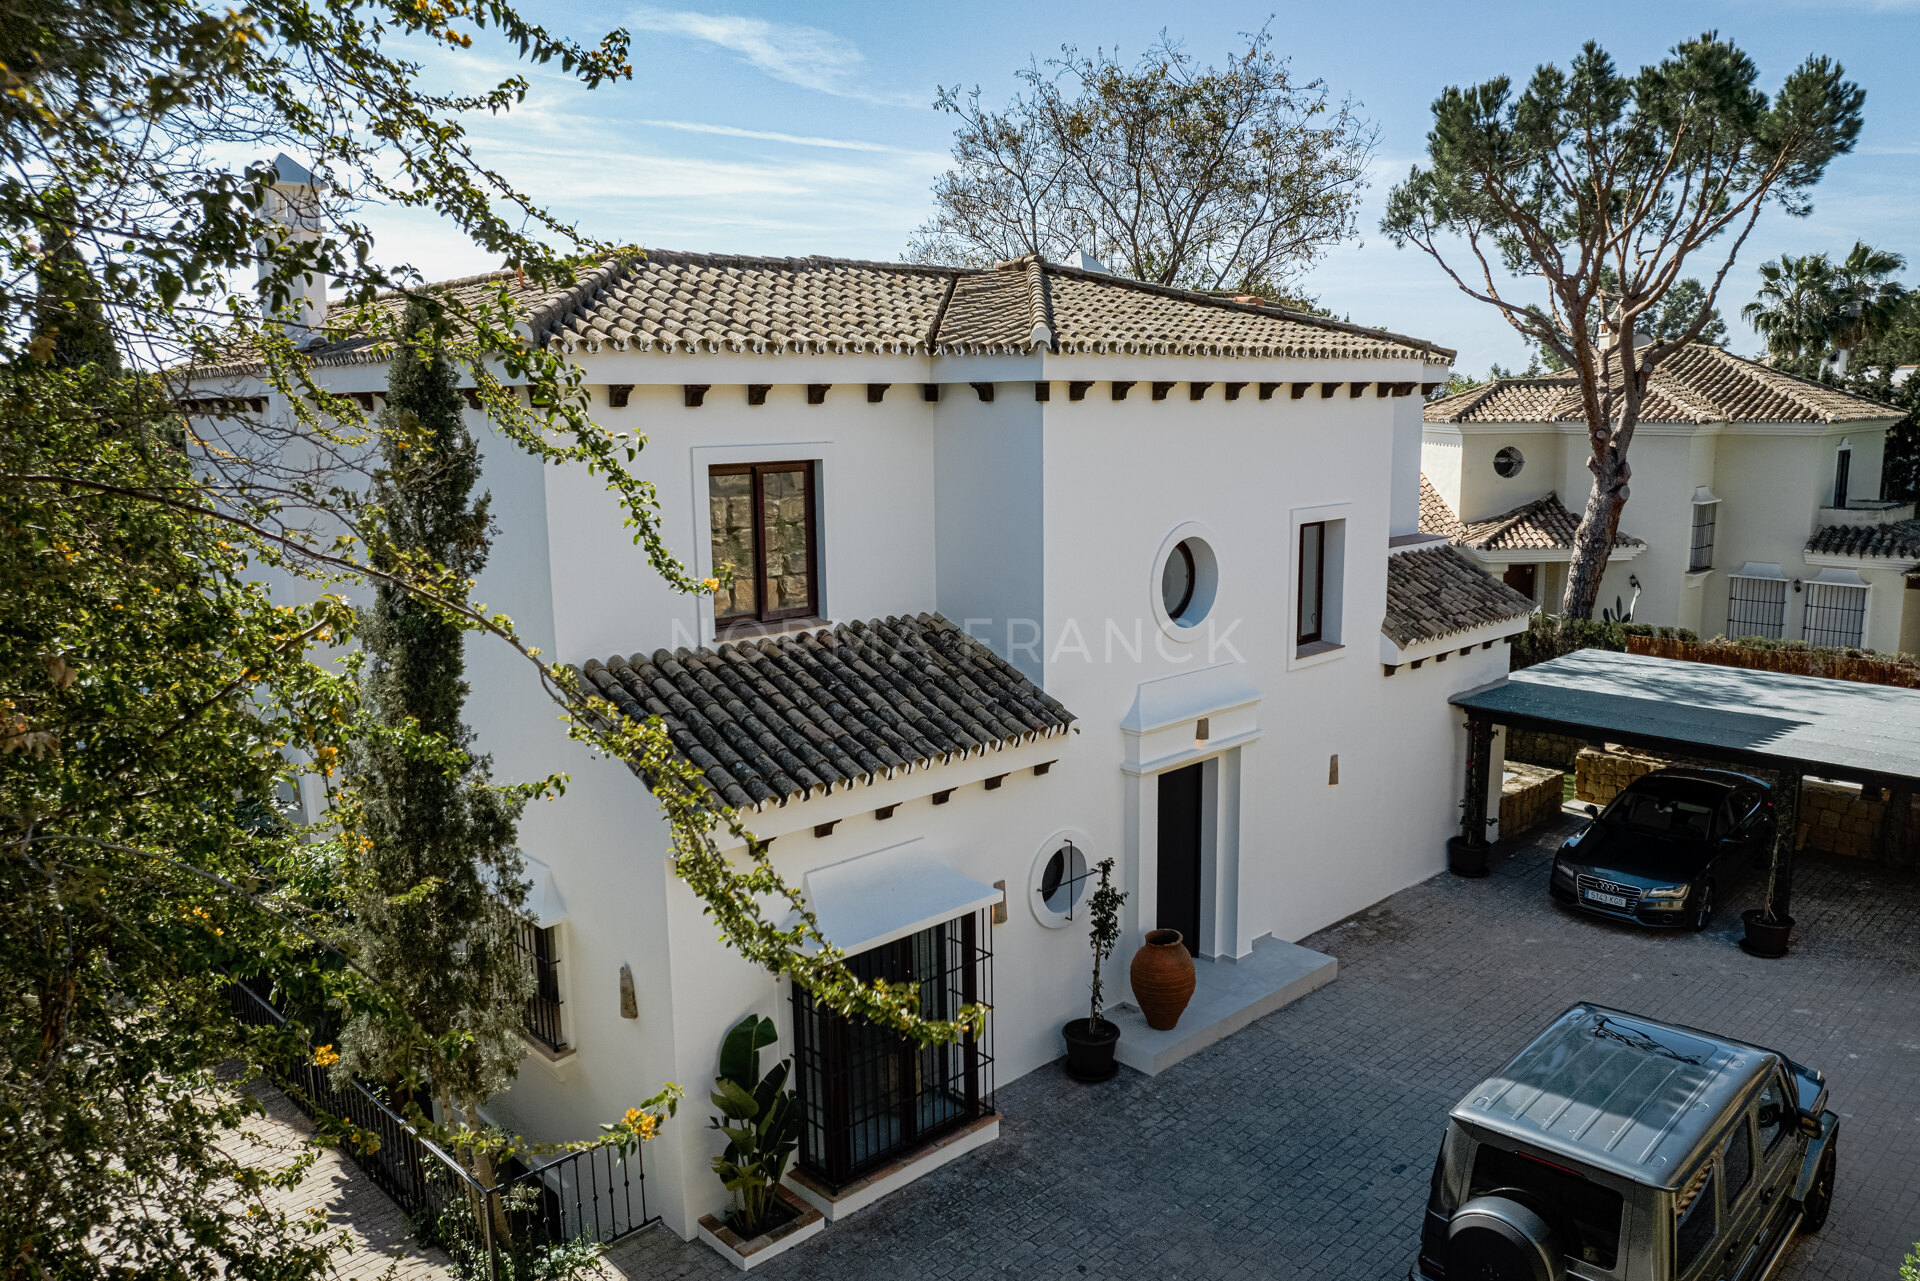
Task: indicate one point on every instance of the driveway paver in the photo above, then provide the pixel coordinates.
(1302, 1146)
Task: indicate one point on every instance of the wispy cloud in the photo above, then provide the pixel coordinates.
(799, 55)
(790, 139)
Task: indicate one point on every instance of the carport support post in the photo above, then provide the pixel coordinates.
(1786, 836)
(1473, 806)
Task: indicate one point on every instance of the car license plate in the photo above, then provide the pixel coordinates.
(1611, 900)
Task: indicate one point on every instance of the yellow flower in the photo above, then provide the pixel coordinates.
(711, 584)
(641, 1123)
(325, 1056)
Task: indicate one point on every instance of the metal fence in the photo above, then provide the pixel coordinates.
(592, 1195)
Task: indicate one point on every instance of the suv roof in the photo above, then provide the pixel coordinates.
(1618, 1092)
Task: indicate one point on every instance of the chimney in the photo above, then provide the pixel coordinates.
(294, 203)
(1087, 262)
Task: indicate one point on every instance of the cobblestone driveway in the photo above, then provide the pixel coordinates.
(1301, 1147)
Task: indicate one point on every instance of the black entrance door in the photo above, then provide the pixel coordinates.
(1179, 888)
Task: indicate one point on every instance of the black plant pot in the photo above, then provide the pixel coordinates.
(1466, 858)
(1090, 1050)
(1765, 938)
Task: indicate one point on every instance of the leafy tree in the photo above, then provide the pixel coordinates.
(1588, 170)
(1666, 320)
(436, 876)
(147, 688)
(1230, 178)
(157, 703)
(1868, 304)
(1794, 306)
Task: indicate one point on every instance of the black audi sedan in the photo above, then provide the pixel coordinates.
(1657, 853)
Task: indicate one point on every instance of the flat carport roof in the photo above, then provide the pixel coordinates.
(1869, 734)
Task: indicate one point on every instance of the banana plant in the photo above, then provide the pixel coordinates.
(761, 1120)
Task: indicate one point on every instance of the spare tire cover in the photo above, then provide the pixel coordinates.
(1494, 1238)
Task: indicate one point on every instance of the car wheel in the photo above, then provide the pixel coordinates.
(1813, 1211)
(1703, 910)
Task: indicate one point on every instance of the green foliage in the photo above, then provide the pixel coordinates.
(1230, 178)
(760, 1118)
(1599, 186)
(1810, 304)
(1910, 1266)
(434, 880)
(148, 688)
(157, 707)
(1103, 914)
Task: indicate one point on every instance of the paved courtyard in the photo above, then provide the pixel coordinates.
(1301, 1147)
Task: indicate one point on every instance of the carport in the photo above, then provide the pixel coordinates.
(1781, 727)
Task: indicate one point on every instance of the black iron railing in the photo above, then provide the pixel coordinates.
(542, 1016)
(869, 1095)
(593, 1195)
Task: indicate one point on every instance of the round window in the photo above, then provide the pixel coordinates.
(1060, 880)
(1187, 581)
(1509, 461)
(1176, 580)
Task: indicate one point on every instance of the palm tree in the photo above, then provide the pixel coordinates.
(1869, 303)
(1796, 307)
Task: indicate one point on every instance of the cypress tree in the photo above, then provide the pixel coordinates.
(67, 309)
(436, 881)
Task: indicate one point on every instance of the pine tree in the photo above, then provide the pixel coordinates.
(437, 882)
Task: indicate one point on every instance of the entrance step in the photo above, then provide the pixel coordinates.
(1227, 995)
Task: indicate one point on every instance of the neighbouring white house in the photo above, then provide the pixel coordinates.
(1033, 566)
(1755, 503)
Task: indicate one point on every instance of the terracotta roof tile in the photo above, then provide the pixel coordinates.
(1435, 516)
(1898, 541)
(791, 717)
(1439, 591)
(670, 301)
(1544, 524)
(1698, 384)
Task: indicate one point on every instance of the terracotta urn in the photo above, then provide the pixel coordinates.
(1162, 978)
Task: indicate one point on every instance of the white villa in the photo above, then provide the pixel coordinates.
(1755, 505)
(1033, 566)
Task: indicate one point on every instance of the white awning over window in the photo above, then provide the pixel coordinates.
(889, 894)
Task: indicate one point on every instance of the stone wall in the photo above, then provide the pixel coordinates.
(1839, 818)
(1600, 774)
(1529, 796)
(1835, 818)
(1536, 748)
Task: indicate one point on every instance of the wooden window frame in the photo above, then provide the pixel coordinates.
(762, 616)
(1301, 636)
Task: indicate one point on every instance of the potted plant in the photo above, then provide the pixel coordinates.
(1091, 1041)
(761, 1119)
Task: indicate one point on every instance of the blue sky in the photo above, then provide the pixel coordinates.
(807, 128)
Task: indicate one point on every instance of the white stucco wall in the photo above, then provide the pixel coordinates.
(1042, 524)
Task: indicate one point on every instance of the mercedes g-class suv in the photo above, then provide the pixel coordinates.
(1617, 1147)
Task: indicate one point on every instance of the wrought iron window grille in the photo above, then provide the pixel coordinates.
(541, 1019)
(869, 1095)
